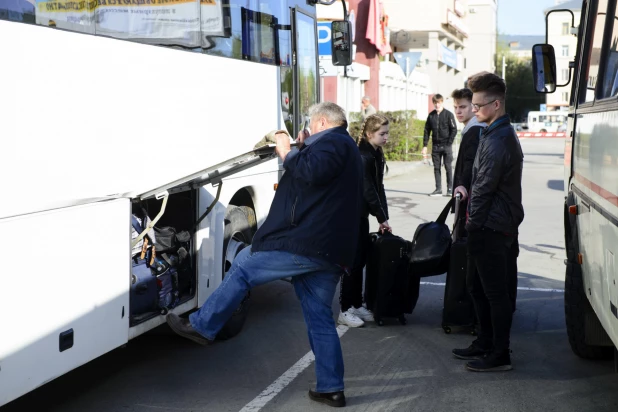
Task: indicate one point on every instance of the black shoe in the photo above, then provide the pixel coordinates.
(449, 193)
(472, 352)
(494, 362)
(335, 399)
(437, 192)
(183, 328)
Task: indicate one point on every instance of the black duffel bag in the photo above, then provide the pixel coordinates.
(431, 246)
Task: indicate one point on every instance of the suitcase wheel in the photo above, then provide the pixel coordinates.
(402, 320)
(163, 311)
(380, 322)
(447, 329)
(473, 332)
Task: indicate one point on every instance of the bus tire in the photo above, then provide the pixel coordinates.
(240, 226)
(581, 319)
(543, 131)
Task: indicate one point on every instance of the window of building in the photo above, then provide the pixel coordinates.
(565, 75)
(565, 29)
(565, 51)
(565, 97)
(594, 55)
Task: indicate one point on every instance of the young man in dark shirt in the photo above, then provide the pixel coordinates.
(495, 212)
(441, 126)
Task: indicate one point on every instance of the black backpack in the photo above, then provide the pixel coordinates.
(431, 246)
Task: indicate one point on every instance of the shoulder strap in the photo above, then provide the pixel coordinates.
(444, 214)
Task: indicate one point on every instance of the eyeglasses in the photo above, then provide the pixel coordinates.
(477, 107)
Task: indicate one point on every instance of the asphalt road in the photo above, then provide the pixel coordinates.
(390, 368)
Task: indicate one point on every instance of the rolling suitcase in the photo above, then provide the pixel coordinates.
(458, 312)
(387, 283)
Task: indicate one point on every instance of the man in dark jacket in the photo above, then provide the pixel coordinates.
(462, 177)
(312, 222)
(441, 126)
(495, 212)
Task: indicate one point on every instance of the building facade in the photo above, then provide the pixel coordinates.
(480, 50)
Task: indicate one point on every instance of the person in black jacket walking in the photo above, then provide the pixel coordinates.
(442, 128)
(311, 224)
(374, 134)
(495, 212)
(467, 148)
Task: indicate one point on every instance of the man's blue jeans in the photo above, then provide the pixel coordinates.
(315, 282)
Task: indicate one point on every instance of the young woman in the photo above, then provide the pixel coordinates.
(373, 136)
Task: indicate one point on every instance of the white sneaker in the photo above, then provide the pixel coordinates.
(349, 318)
(364, 313)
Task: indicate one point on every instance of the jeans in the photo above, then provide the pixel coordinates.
(315, 282)
(439, 155)
(489, 255)
(351, 293)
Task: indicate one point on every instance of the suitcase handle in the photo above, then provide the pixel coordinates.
(457, 220)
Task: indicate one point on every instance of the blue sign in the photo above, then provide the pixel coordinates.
(324, 36)
(412, 58)
(447, 56)
(543, 108)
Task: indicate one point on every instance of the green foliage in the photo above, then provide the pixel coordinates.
(395, 149)
(520, 94)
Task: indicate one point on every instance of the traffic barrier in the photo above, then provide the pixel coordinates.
(548, 134)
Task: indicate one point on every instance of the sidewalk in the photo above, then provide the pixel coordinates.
(401, 168)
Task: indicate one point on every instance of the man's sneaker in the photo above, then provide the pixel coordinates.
(449, 193)
(349, 318)
(364, 313)
(472, 352)
(437, 192)
(494, 362)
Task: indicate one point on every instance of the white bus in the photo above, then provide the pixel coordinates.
(543, 122)
(109, 103)
(591, 180)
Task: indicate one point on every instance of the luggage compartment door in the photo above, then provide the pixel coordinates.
(65, 279)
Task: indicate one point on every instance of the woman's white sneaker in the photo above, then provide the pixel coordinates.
(364, 313)
(349, 318)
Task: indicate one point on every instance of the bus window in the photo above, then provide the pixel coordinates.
(594, 54)
(610, 85)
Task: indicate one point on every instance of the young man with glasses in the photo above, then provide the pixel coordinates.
(495, 212)
(441, 126)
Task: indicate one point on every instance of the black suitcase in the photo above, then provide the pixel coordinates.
(388, 288)
(458, 312)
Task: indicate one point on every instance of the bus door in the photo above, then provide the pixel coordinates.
(305, 66)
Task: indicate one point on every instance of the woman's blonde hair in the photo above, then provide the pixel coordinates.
(371, 125)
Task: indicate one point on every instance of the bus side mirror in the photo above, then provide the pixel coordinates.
(544, 68)
(341, 43)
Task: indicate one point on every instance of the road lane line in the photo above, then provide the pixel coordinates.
(284, 380)
(519, 288)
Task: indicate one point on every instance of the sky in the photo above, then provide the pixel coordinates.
(523, 17)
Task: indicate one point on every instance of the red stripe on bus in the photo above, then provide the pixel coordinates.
(605, 194)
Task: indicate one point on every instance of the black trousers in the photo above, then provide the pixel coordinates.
(443, 155)
(490, 269)
(351, 292)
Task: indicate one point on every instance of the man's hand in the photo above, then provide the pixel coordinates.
(424, 152)
(282, 145)
(302, 135)
(461, 190)
(384, 226)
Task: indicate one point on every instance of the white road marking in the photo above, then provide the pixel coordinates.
(519, 288)
(284, 380)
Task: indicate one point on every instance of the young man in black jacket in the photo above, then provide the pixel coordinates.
(467, 148)
(495, 212)
(441, 126)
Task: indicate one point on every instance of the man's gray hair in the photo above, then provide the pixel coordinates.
(366, 98)
(331, 111)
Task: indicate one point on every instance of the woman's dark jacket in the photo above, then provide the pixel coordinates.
(373, 182)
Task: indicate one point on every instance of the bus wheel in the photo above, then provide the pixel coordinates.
(583, 326)
(543, 131)
(240, 226)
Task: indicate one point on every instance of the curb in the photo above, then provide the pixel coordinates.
(401, 168)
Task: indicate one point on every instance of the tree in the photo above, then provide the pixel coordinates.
(521, 96)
